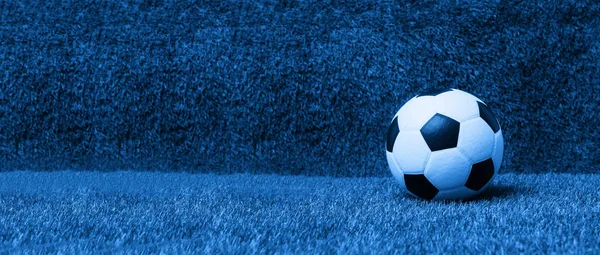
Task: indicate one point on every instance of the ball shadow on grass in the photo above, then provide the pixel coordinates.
(493, 192)
(496, 192)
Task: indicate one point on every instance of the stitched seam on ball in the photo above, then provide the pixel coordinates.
(465, 154)
(468, 158)
(426, 162)
(397, 165)
(452, 189)
(470, 118)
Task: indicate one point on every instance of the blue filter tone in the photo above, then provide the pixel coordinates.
(274, 127)
(183, 213)
(287, 87)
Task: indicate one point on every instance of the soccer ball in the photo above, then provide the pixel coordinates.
(444, 144)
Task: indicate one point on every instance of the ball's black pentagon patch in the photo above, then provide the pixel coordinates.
(420, 186)
(392, 133)
(481, 174)
(440, 132)
(433, 92)
(488, 116)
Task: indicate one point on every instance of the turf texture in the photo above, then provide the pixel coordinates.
(290, 86)
(124, 212)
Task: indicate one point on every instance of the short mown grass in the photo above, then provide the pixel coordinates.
(175, 212)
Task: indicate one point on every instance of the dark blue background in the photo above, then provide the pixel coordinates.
(291, 87)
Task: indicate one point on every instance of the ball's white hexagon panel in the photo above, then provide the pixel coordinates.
(416, 112)
(468, 94)
(498, 151)
(456, 194)
(395, 169)
(411, 152)
(476, 140)
(458, 105)
(447, 169)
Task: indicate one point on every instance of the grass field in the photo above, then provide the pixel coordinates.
(173, 212)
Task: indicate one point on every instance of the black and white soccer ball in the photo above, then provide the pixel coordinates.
(444, 144)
